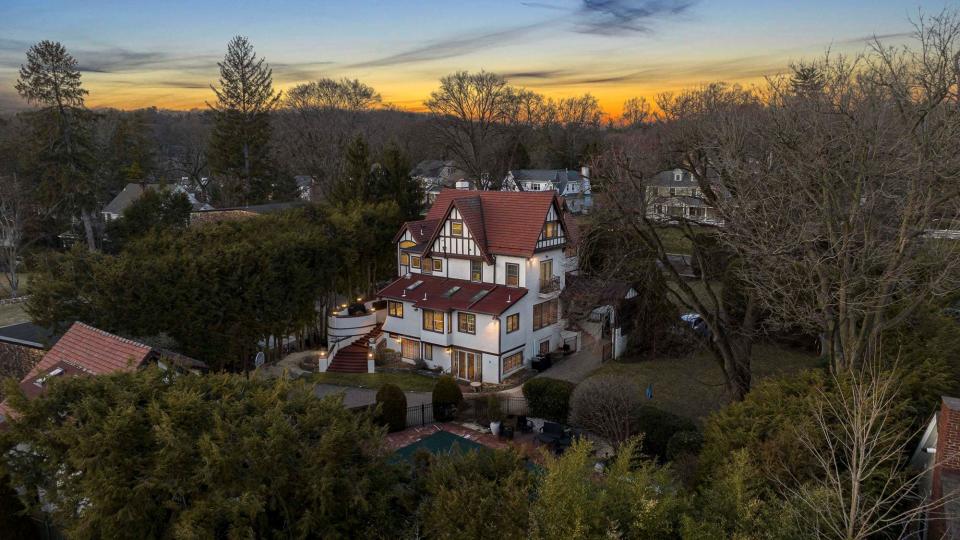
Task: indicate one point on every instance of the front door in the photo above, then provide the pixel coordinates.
(466, 365)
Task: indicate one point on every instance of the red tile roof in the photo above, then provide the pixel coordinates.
(94, 351)
(83, 350)
(502, 222)
(431, 294)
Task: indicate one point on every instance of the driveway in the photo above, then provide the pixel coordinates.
(362, 397)
(574, 368)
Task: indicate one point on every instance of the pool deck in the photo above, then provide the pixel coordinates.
(522, 441)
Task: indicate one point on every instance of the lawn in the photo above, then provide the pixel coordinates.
(13, 314)
(408, 382)
(693, 386)
(24, 280)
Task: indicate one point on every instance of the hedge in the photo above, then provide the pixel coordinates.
(393, 407)
(548, 398)
(658, 427)
(446, 399)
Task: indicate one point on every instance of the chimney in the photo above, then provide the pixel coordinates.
(946, 461)
(585, 180)
(463, 185)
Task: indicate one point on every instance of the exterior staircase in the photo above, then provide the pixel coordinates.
(353, 357)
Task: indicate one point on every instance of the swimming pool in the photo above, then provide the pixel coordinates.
(437, 443)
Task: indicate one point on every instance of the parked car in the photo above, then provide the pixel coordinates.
(696, 323)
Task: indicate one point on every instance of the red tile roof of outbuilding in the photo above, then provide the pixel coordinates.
(430, 294)
(94, 351)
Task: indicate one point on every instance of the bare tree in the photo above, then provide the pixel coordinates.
(573, 123)
(345, 94)
(861, 489)
(470, 112)
(13, 221)
(606, 405)
(833, 221)
(636, 112)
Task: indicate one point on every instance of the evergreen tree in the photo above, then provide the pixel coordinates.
(155, 455)
(355, 181)
(399, 185)
(127, 155)
(240, 143)
(61, 157)
(154, 210)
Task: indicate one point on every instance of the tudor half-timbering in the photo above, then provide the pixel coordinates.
(479, 283)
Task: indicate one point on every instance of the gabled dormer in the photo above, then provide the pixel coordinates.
(552, 235)
(454, 238)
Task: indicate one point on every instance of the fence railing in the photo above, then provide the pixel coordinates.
(470, 410)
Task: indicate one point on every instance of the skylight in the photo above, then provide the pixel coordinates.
(451, 291)
(414, 285)
(479, 295)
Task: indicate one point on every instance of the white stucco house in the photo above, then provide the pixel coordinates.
(479, 282)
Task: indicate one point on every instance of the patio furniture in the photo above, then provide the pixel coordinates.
(523, 425)
(476, 385)
(552, 433)
(506, 432)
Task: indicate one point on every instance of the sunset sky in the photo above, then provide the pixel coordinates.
(164, 53)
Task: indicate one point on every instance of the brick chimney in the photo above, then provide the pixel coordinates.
(946, 472)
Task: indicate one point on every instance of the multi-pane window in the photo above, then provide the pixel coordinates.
(512, 362)
(546, 271)
(476, 271)
(438, 265)
(427, 266)
(456, 228)
(467, 323)
(428, 352)
(433, 320)
(551, 229)
(513, 274)
(405, 259)
(395, 309)
(415, 261)
(545, 313)
(513, 322)
(410, 348)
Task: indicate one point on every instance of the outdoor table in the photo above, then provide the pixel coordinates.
(476, 385)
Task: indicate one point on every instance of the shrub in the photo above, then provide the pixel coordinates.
(658, 427)
(605, 405)
(393, 407)
(684, 443)
(548, 398)
(446, 398)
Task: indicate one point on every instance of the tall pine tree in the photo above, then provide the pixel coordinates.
(61, 156)
(355, 181)
(240, 143)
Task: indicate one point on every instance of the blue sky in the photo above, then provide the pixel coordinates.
(137, 54)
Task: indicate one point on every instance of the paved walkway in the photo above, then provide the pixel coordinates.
(574, 368)
(361, 397)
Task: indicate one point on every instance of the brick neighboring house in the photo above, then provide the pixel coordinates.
(938, 454)
(85, 350)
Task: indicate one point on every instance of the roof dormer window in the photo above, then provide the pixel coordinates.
(677, 175)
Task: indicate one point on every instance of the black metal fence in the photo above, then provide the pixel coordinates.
(477, 409)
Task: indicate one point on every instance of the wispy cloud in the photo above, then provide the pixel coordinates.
(881, 37)
(455, 46)
(611, 17)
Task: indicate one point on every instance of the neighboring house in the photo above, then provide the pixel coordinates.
(573, 186)
(479, 286)
(85, 350)
(134, 190)
(216, 215)
(675, 194)
(434, 175)
(603, 308)
(938, 457)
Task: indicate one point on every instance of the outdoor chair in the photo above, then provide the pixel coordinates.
(523, 425)
(552, 434)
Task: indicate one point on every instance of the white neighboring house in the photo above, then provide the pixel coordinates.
(573, 186)
(675, 194)
(479, 284)
(434, 175)
(132, 191)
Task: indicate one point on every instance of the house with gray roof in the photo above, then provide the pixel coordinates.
(572, 185)
(435, 174)
(676, 195)
(134, 190)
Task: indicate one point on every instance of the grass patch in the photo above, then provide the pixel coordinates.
(24, 284)
(674, 240)
(693, 386)
(408, 382)
(13, 314)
